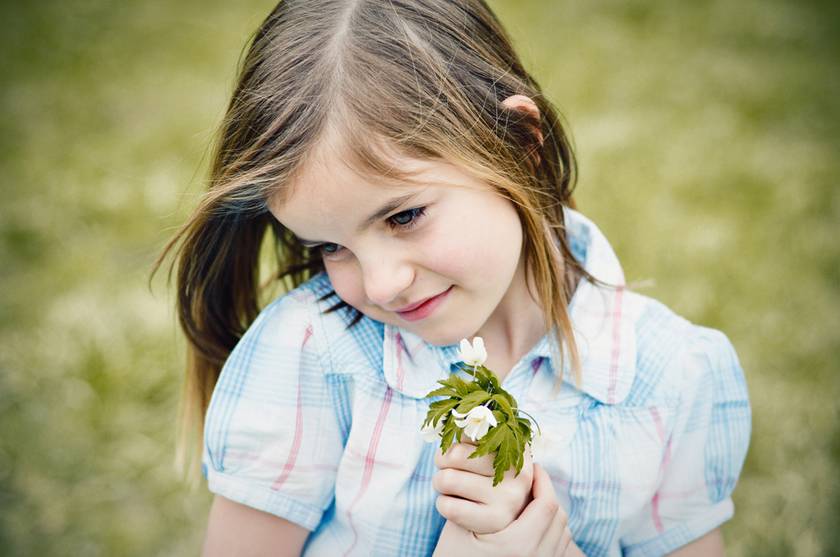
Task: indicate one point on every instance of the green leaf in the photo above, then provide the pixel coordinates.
(506, 454)
(494, 382)
(443, 402)
(479, 376)
(508, 439)
(439, 409)
(458, 385)
(509, 398)
(472, 400)
(477, 372)
(448, 434)
(443, 391)
(525, 428)
(504, 404)
(475, 386)
(522, 432)
(490, 442)
(500, 416)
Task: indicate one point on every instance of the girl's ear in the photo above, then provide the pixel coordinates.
(521, 102)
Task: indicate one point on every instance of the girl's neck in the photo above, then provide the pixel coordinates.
(515, 326)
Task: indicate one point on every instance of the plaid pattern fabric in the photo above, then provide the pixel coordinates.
(320, 425)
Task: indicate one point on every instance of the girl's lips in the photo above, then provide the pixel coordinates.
(414, 306)
(425, 308)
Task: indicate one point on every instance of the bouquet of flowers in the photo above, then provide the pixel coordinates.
(480, 409)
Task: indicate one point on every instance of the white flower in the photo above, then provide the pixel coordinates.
(431, 434)
(476, 422)
(473, 354)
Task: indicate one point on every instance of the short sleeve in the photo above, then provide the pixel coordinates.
(272, 439)
(705, 453)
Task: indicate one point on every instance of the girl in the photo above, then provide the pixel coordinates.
(415, 187)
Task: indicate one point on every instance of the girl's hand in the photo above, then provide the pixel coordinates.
(468, 497)
(540, 531)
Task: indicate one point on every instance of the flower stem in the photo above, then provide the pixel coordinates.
(533, 419)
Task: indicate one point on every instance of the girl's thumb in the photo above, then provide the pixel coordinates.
(542, 488)
(537, 516)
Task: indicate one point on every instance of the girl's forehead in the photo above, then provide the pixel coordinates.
(337, 158)
(329, 193)
(330, 176)
(331, 180)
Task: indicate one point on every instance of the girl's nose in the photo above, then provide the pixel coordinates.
(385, 279)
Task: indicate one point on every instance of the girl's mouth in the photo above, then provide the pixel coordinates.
(426, 308)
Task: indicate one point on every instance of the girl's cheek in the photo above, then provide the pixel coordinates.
(452, 262)
(446, 253)
(456, 251)
(346, 278)
(347, 284)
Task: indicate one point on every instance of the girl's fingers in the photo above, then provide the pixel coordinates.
(466, 485)
(566, 542)
(464, 513)
(538, 516)
(556, 540)
(456, 457)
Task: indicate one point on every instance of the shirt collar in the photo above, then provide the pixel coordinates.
(603, 321)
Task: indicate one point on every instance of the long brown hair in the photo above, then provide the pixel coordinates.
(424, 77)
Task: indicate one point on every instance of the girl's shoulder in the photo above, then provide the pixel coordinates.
(683, 427)
(636, 352)
(676, 359)
(640, 351)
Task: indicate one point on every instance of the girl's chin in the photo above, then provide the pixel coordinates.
(452, 335)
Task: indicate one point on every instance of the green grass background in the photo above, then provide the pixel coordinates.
(707, 133)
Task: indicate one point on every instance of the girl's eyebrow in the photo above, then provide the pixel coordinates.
(383, 211)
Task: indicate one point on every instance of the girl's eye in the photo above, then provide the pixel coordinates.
(405, 220)
(325, 251)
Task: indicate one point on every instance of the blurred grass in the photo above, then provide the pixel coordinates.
(707, 134)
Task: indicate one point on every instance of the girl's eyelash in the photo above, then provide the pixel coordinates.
(417, 214)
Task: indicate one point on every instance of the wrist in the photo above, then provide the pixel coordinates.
(454, 541)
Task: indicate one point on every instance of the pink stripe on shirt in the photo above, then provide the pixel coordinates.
(370, 460)
(666, 459)
(293, 452)
(400, 370)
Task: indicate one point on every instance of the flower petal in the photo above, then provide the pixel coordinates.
(479, 351)
(465, 352)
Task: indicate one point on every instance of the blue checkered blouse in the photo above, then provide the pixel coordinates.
(320, 425)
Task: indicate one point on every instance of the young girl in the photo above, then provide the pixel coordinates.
(415, 187)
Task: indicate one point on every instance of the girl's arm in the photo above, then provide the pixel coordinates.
(710, 545)
(706, 450)
(236, 530)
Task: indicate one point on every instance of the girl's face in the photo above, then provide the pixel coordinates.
(450, 234)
